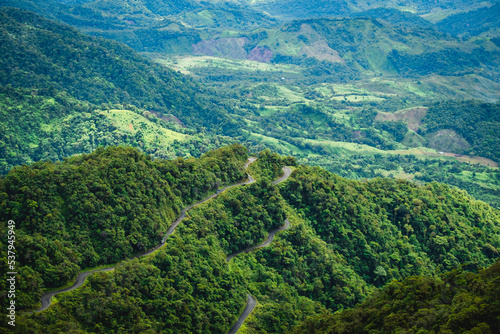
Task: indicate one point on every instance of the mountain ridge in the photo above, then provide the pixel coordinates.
(301, 269)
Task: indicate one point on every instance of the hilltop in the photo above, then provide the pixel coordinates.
(104, 207)
(304, 95)
(450, 302)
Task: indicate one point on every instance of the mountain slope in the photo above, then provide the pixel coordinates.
(358, 219)
(457, 302)
(42, 54)
(108, 205)
(395, 17)
(103, 207)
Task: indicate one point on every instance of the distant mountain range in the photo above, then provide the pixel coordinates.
(395, 42)
(117, 116)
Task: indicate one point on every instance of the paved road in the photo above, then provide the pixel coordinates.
(47, 297)
(251, 302)
(80, 279)
(183, 213)
(266, 243)
(286, 173)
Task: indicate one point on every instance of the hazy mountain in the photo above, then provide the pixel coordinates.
(484, 21)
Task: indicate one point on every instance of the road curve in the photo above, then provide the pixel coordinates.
(47, 297)
(251, 302)
(80, 279)
(286, 173)
(183, 212)
(266, 243)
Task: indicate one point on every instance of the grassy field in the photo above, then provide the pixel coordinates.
(337, 147)
(272, 143)
(128, 121)
(186, 64)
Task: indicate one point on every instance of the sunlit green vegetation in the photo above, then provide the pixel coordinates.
(103, 207)
(346, 238)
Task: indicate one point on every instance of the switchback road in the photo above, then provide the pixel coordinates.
(266, 243)
(46, 298)
(251, 302)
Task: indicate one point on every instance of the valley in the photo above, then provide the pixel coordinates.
(327, 166)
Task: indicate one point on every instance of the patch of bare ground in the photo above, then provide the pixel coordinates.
(473, 160)
(263, 55)
(168, 118)
(317, 46)
(447, 140)
(321, 51)
(412, 117)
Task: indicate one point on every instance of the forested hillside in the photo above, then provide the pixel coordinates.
(456, 302)
(65, 93)
(41, 124)
(103, 207)
(43, 55)
(433, 226)
(345, 239)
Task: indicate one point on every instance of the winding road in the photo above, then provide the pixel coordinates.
(286, 174)
(251, 302)
(266, 243)
(46, 298)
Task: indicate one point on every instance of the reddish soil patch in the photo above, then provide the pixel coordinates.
(168, 118)
(262, 55)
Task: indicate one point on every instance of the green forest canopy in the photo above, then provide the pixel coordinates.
(347, 237)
